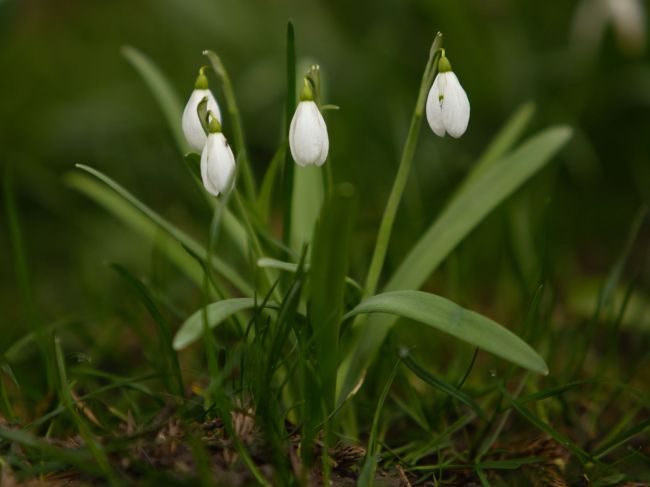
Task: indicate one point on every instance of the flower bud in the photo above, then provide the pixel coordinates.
(308, 137)
(217, 160)
(191, 124)
(447, 103)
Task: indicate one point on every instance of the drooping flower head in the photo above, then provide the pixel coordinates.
(191, 124)
(217, 160)
(447, 103)
(308, 138)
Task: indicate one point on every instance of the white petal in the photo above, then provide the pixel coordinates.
(455, 105)
(207, 183)
(217, 165)
(434, 112)
(629, 21)
(308, 138)
(191, 124)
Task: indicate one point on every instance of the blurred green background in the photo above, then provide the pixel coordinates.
(68, 96)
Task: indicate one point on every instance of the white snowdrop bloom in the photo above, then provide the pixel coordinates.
(217, 161)
(308, 137)
(447, 103)
(191, 123)
(627, 17)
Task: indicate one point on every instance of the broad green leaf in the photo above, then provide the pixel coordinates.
(306, 203)
(458, 322)
(502, 142)
(220, 266)
(192, 329)
(462, 214)
(162, 92)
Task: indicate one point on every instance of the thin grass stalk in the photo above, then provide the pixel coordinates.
(23, 278)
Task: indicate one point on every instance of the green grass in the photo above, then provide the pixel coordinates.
(283, 370)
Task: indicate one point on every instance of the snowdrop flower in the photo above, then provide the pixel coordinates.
(192, 128)
(447, 103)
(217, 160)
(308, 137)
(627, 17)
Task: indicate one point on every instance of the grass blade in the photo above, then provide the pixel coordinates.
(167, 351)
(545, 427)
(367, 475)
(65, 395)
(23, 277)
(441, 385)
(622, 438)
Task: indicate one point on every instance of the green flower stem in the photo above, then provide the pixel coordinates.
(287, 173)
(403, 171)
(255, 244)
(237, 130)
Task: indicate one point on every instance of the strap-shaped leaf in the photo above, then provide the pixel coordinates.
(478, 198)
(223, 268)
(465, 211)
(192, 329)
(459, 322)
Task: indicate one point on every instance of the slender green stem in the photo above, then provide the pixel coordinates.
(255, 245)
(403, 171)
(235, 119)
(287, 173)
